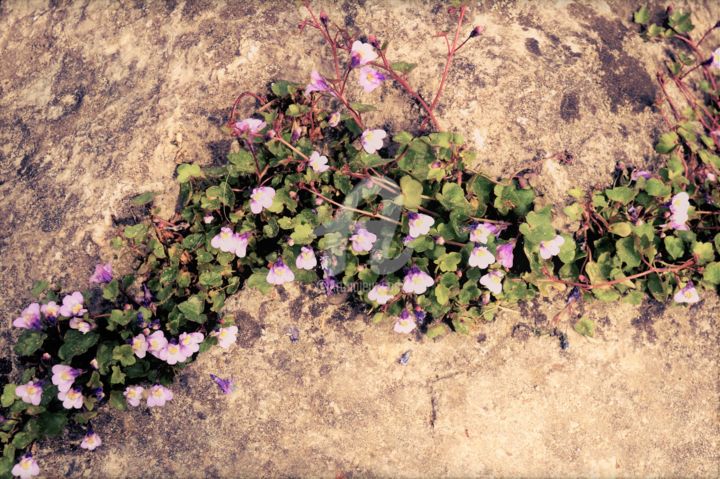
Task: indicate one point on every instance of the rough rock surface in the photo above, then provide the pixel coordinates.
(98, 102)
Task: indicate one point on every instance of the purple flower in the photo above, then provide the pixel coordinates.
(318, 163)
(405, 323)
(679, 206)
(417, 281)
(362, 240)
(226, 337)
(380, 293)
(156, 343)
(372, 140)
(158, 395)
(29, 318)
(72, 398)
(280, 273)
(505, 254)
(317, 83)
(329, 283)
(248, 126)
(493, 281)
(481, 257)
(370, 79)
(637, 174)
(225, 385)
(261, 198)
(173, 353)
(306, 259)
(140, 345)
(103, 274)
(133, 395)
(230, 242)
(26, 468)
(361, 54)
(91, 441)
(51, 310)
(419, 224)
(73, 305)
(688, 294)
(190, 343)
(64, 376)
(480, 233)
(551, 248)
(30, 392)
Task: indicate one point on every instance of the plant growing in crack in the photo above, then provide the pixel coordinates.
(312, 194)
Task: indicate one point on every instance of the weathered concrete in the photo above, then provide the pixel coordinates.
(98, 103)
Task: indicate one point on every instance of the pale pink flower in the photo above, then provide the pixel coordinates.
(71, 399)
(419, 224)
(481, 257)
(26, 468)
(417, 281)
(248, 126)
(91, 441)
(30, 392)
(156, 343)
(380, 293)
(227, 336)
(481, 232)
(493, 281)
(280, 273)
(73, 305)
(361, 54)
(190, 343)
(688, 294)
(551, 248)
(306, 259)
(140, 345)
(405, 323)
(261, 198)
(133, 395)
(158, 395)
(362, 240)
(64, 376)
(372, 140)
(318, 163)
(370, 79)
(29, 318)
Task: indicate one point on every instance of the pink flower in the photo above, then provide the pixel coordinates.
(26, 468)
(372, 140)
(140, 345)
(405, 323)
(230, 242)
(317, 83)
(370, 79)
(417, 281)
(73, 305)
(380, 293)
(551, 248)
(103, 274)
(30, 392)
(481, 232)
(158, 395)
(505, 254)
(362, 240)
(687, 295)
(50, 310)
(679, 206)
(493, 281)
(261, 198)
(133, 395)
(248, 126)
(29, 318)
(172, 353)
(481, 257)
(318, 163)
(156, 343)
(361, 54)
(280, 273)
(81, 325)
(226, 337)
(64, 376)
(334, 119)
(190, 343)
(208, 219)
(716, 59)
(419, 224)
(91, 441)
(72, 398)
(306, 259)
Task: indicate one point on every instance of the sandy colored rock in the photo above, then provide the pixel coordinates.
(99, 102)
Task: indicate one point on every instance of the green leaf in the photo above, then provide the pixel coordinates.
(436, 331)
(210, 279)
(124, 354)
(642, 16)
(258, 280)
(117, 400)
(622, 229)
(442, 294)
(192, 308)
(704, 252)
(711, 275)
(52, 424)
(680, 21)
(23, 439)
(120, 317)
(621, 194)
(143, 198)
(117, 376)
(403, 138)
(39, 287)
(303, 234)
(284, 88)
(76, 343)
(29, 342)
(362, 107)
(136, 232)
(627, 253)
(243, 162)
(585, 327)
(222, 192)
(668, 142)
(448, 261)
(8, 395)
(655, 187)
(674, 246)
(403, 67)
(111, 290)
(188, 171)
(412, 192)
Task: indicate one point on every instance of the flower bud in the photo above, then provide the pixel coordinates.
(324, 18)
(477, 31)
(373, 40)
(318, 201)
(291, 242)
(440, 240)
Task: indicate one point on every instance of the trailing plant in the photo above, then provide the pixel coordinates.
(312, 194)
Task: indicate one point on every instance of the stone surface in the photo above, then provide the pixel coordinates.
(98, 102)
